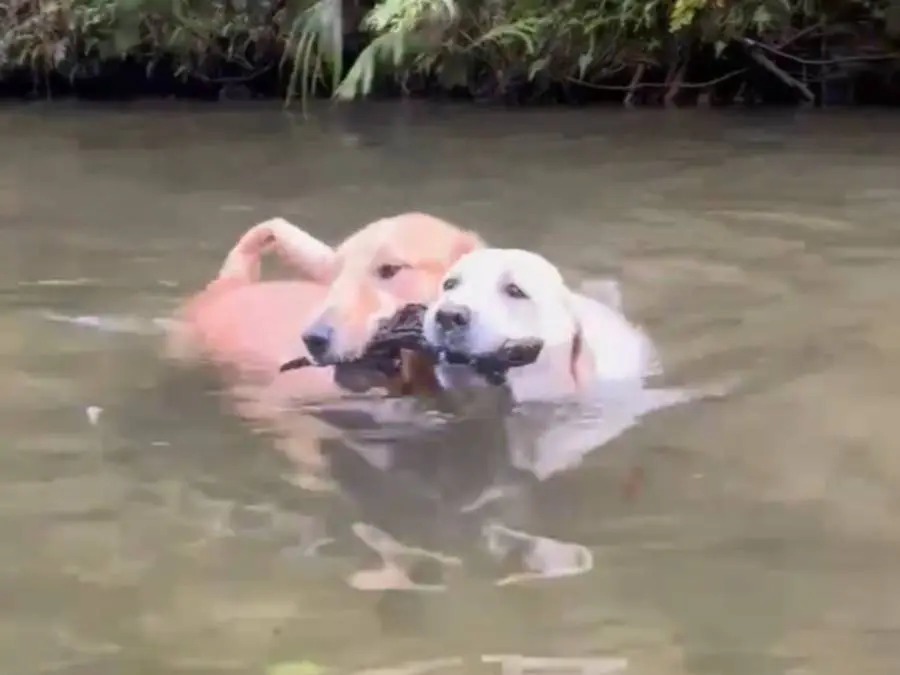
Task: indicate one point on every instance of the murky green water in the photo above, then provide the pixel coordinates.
(752, 535)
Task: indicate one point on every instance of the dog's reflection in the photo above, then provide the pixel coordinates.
(436, 491)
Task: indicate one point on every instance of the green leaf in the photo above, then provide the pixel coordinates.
(129, 5)
(126, 38)
(499, 34)
(584, 62)
(762, 17)
(537, 66)
(180, 40)
(295, 668)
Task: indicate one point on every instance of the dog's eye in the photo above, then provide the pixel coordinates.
(514, 291)
(388, 271)
(451, 283)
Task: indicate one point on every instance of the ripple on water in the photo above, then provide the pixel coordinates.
(763, 536)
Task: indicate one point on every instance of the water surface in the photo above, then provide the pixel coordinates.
(751, 535)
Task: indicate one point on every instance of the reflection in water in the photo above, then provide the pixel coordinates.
(763, 539)
(113, 324)
(517, 664)
(416, 667)
(432, 478)
(545, 440)
(540, 557)
(398, 561)
(420, 460)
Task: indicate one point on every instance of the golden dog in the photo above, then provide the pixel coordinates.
(248, 327)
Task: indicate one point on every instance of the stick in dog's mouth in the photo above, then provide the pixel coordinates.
(403, 331)
(295, 364)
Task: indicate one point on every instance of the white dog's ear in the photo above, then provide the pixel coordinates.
(582, 367)
(582, 359)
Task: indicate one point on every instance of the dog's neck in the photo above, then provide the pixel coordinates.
(547, 379)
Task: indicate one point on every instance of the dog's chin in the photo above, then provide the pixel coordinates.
(462, 345)
(358, 378)
(456, 341)
(336, 357)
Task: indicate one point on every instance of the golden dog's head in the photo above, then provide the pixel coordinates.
(388, 264)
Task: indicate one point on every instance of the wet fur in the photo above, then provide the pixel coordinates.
(584, 341)
(250, 326)
(246, 326)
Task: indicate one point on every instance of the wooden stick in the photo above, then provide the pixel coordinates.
(674, 86)
(632, 88)
(790, 81)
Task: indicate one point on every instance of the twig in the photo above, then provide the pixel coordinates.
(819, 62)
(789, 80)
(236, 79)
(674, 86)
(798, 35)
(632, 88)
(656, 85)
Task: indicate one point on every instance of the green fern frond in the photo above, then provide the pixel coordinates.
(392, 48)
(316, 41)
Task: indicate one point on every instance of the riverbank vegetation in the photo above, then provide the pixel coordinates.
(650, 52)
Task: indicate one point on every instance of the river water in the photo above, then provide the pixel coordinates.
(145, 530)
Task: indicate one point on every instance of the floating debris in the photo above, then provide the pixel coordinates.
(541, 557)
(61, 282)
(295, 668)
(414, 667)
(93, 414)
(113, 324)
(397, 561)
(519, 665)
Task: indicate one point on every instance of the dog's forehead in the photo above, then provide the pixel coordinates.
(409, 238)
(366, 240)
(370, 246)
(509, 263)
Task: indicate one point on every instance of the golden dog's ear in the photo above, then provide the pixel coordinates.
(465, 243)
(582, 364)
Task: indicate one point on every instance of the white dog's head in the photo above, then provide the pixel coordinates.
(491, 296)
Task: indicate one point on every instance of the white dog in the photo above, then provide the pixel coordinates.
(494, 295)
(593, 359)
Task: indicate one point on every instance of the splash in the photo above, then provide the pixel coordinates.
(113, 324)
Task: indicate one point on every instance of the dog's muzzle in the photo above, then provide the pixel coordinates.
(318, 339)
(453, 317)
(452, 323)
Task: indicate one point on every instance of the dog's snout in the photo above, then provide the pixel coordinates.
(451, 316)
(318, 340)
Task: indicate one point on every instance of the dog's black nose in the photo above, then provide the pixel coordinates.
(450, 317)
(318, 340)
